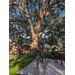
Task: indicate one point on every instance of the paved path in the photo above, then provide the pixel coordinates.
(53, 68)
(49, 67)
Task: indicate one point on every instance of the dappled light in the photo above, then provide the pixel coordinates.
(36, 37)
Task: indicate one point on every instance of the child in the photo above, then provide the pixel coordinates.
(15, 54)
(37, 59)
(43, 56)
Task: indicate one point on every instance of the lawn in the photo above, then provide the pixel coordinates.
(12, 55)
(17, 64)
(62, 51)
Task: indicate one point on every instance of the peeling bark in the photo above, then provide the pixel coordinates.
(13, 48)
(34, 44)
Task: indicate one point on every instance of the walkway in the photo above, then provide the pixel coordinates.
(49, 67)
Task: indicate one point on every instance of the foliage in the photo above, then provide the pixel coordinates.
(24, 20)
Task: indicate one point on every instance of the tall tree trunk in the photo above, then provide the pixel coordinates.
(13, 48)
(34, 44)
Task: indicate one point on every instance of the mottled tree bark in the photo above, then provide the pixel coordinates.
(34, 44)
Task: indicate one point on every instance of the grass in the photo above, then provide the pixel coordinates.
(17, 64)
(49, 56)
(12, 55)
(62, 51)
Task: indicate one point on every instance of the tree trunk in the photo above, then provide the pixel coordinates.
(13, 48)
(34, 44)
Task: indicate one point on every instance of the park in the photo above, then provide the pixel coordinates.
(36, 37)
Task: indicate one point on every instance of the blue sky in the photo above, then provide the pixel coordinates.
(38, 9)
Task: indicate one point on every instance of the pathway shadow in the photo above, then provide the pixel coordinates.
(55, 68)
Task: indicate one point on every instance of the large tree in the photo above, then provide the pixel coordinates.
(35, 13)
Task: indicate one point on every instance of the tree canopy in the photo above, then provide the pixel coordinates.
(35, 17)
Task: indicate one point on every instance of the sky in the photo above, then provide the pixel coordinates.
(38, 9)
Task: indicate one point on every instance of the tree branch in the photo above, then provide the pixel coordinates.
(20, 9)
(40, 8)
(53, 7)
(62, 29)
(39, 35)
(29, 23)
(42, 14)
(14, 3)
(19, 20)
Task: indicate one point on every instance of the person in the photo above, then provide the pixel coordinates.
(55, 54)
(61, 59)
(58, 48)
(23, 50)
(15, 53)
(58, 56)
(37, 58)
(26, 51)
(53, 49)
(10, 51)
(47, 49)
(43, 55)
(40, 52)
(19, 52)
(30, 51)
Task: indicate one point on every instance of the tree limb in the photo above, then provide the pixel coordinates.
(53, 7)
(13, 3)
(19, 20)
(20, 9)
(39, 35)
(29, 23)
(40, 8)
(62, 29)
(42, 15)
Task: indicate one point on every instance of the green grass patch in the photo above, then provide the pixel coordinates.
(48, 55)
(11, 55)
(17, 64)
(62, 50)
